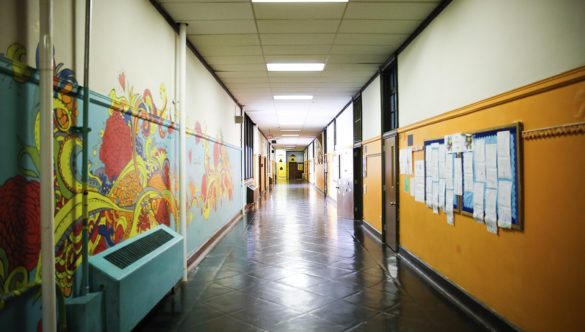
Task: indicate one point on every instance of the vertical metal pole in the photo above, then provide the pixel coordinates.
(47, 191)
(182, 139)
(85, 152)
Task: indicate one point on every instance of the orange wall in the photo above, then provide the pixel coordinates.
(373, 183)
(535, 278)
(320, 177)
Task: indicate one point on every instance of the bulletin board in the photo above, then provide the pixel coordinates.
(490, 136)
(457, 199)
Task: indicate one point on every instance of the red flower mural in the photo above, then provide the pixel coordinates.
(20, 235)
(216, 153)
(116, 149)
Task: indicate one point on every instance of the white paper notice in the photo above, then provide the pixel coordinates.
(505, 204)
(492, 228)
(409, 160)
(442, 194)
(435, 202)
(442, 161)
(479, 159)
(428, 158)
(402, 161)
(435, 161)
(429, 191)
(412, 186)
(504, 166)
(491, 166)
(449, 171)
(454, 143)
(419, 179)
(449, 206)
(457, 177)
(468, 171)
(490, 210)
(478, 190)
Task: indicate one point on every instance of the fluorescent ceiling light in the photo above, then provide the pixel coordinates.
(289, 135)
(293, 97)
(295, 66)
(290, 130)
(300, 0)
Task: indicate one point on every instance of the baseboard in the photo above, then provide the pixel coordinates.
(371, 230)
(471, 306)
(198, 255)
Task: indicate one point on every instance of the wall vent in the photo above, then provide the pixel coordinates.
(138, 249)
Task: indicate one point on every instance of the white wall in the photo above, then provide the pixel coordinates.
(131, 37)
(209, 104)
(19, 23)
(478, 49)
(330, 138)
(371, 110)
(344, 123)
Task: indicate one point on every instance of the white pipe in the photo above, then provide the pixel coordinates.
(47, 194)
(182, 139)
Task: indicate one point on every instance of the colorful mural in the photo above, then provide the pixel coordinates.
(210, 179)
(133, 182)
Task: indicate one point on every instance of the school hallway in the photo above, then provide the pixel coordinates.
(292, 265)
(283, 165)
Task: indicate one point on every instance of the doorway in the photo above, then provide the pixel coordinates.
(390, 193)
(358, 199)
(345, 187)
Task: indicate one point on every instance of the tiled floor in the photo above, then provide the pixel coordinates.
(293, 266)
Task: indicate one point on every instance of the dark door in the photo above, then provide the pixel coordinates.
(391, 185)
(260, 174)
(293, 171)
(358, 199)
(345, 185)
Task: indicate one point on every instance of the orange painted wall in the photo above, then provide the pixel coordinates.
(320, 177)
(373, 183)
(535, 278)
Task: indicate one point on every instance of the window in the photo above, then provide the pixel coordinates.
(390, 98)
(248, 147)
(357, 119)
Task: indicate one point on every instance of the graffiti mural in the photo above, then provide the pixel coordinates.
(210, 177)
(133, 181)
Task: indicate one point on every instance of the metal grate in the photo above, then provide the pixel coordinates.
(138, 249)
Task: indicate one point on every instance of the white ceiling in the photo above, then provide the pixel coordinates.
(237, 38)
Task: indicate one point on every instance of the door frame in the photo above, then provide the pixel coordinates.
(390, 134)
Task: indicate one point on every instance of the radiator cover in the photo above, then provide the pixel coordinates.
(136, 274)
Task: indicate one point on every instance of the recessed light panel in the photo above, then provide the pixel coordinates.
(293, 97)
(289, 135)
(290, 130)
(295, 66)
(300, 0)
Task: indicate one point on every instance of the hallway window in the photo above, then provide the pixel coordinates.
(390, 98)
(248, 147)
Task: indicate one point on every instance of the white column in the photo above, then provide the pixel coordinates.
(182, 139)
(47, 190)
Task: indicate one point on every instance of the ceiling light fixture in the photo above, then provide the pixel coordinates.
(293, 97)
(300, 0)
(289, 135)
(290, 130)
(295, 66)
